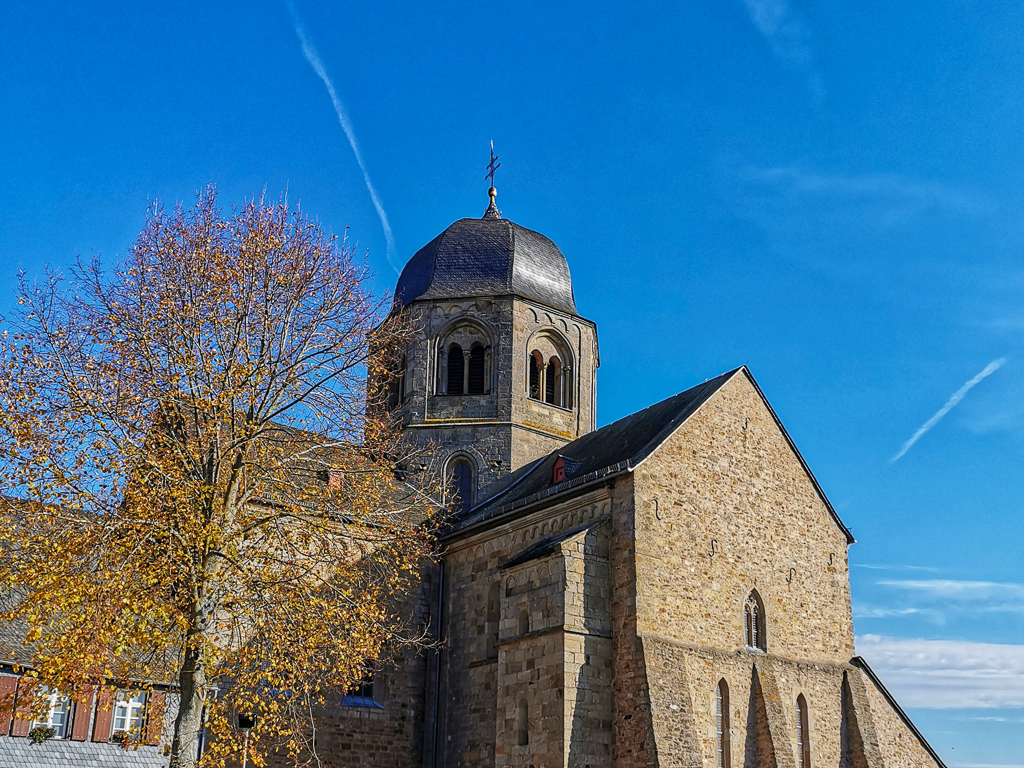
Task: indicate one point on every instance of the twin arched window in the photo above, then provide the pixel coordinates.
(754, 623)
(466, 370)
(548, 380)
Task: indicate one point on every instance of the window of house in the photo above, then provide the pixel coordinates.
(128, 712)
(523, 723)
(722, 724)
(456, 370)
(803, 746)
(477, 370)
(461, 484)
(754, 623)
(58, 716)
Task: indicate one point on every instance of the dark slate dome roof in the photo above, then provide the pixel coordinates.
(488, 257)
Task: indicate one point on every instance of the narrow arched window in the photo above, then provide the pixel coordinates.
(803, 746)
(477, 370)
(396, 387)
(523, 723)
(456, 370)
(551, 382)
(533, 389)
(722, 724)
(493, 619)
(461, 484)
(754, 623)
(524, 623)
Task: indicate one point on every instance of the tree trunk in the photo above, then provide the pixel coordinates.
(188, 725)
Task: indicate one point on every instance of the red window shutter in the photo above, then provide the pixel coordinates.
(155, 718)
(83, 713)
(8, 685)
(104, 715)
(23, 706)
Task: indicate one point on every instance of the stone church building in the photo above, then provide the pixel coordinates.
(669, 590)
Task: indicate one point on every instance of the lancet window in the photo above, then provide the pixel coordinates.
(754, 623)
(803, 746)
(722, 725)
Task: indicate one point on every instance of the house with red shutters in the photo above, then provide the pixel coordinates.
(103, 725)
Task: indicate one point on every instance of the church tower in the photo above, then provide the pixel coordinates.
(501, 369)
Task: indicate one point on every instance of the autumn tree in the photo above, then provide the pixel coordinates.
(195, 492)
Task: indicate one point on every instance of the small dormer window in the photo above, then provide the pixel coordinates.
(558, 470)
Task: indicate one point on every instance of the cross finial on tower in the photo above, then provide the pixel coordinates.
(492, 211)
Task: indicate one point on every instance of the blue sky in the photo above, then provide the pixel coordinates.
(831, 193)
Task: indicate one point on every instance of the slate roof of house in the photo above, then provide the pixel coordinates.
(62, 753)
(611, 450)
(488, 257)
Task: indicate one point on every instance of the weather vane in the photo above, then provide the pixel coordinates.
(492, 166)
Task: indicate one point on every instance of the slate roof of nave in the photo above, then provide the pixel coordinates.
(614, 449)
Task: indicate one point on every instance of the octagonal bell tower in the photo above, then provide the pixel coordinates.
(502, 368)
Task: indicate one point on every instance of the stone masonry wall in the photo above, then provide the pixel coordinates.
(728, 483)
(389, 735)
(503, 429)
(476, 707)
(896, 742)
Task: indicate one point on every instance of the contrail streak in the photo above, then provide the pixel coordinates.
(956, 398)
(310, 52)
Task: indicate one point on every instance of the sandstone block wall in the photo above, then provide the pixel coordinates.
(724, 507)
(502, 429)
(483, 684)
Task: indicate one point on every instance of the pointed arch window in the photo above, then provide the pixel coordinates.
(754, 623)
(722, 725)
(456, 370)
(461, 484)
(803, 746)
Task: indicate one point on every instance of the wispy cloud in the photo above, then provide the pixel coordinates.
(951, 589)
(894, 567)
(942, 600)
(947, 674)
(899, 194)
(788, 36)
(950, 404)
(313, 57)
(865, 611)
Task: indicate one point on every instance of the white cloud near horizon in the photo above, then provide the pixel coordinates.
(947, 674)
(959, 395)
(313, 57)
(788, 36)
